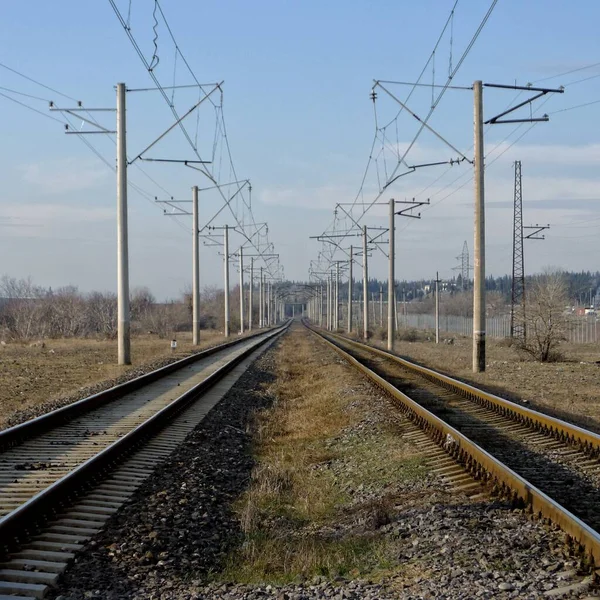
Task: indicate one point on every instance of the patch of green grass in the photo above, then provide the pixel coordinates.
(265, 558)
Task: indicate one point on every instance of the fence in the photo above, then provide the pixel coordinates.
(582, 330)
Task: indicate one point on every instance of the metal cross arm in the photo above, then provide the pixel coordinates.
(411, 205)
(534, 234)
(428, 127)
(542, 92)
(221, 185)
(177, 160)
(74, 112)
(178, 122)
(326, 235)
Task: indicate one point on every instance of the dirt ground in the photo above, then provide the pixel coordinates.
(34, 372)
(569, 390)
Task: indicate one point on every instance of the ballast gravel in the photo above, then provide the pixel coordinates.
(172, 538)
(83, 392)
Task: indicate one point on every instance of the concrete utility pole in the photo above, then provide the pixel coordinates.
(391, 275)
(365, 286)
(226, 259)
(250, 299)
(437, 308)
(241, 290)
(331, 300)
(195, 270)
(337, 295)
(321, 305)
(328, 301)
(261, 301)
(350, 292)
(479, 242)
(380, 306)
(123, 325)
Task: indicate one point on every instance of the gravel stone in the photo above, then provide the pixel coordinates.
(174, 535)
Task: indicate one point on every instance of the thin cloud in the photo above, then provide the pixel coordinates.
(64, 176)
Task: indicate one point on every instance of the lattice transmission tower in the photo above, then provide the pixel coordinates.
(518, 327)
(464, 267)
(517, 298)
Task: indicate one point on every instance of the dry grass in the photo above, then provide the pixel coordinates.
(31, 374)
(300, 515)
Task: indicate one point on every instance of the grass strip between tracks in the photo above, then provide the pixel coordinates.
(327, 475)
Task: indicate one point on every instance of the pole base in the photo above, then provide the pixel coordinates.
(479, 353)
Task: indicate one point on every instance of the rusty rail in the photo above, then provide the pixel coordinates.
(481, 464)
(557, 428)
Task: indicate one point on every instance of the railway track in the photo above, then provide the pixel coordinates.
(64, 474)
(540, 461)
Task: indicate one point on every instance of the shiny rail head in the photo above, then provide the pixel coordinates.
(539, 503)
(574, 432)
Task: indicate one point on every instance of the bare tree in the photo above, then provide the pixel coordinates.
(142, 305)
(546, 323)
(65, 313)
(22, 313)
(101, 315)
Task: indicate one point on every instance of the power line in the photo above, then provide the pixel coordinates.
(574, 107)
(23, 94)
(597, 64)
(145, 194)
(219, 107)
(36, 82)
(439, 97)
(39, 112)
(452, 73)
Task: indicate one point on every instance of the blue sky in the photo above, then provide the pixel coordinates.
(300, 124)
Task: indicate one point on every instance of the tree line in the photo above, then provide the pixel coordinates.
(30, 311)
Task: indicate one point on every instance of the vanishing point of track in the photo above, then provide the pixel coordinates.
(548, 464)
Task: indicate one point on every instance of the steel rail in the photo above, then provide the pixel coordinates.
(19, 433)
(480, 463)
(552, 426)
(23, 522)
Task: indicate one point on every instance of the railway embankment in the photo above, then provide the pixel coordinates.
(306, 482)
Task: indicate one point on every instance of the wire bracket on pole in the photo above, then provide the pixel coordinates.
(428, 127)
(411, 205)
(413, 168)
(177, 122)
(497, 120)
(74, 112)
(536, 230)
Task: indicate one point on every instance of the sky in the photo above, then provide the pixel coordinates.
(300, 124)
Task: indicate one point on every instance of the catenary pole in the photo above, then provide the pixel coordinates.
(479, 234)
(226, 262)
(391, 277)
(437, 308)
(329, 301)
(261, 302)
(337, 295)
(350, 292)
(123, 324)
(251, 291)
(365, 286)
(321, 305)
(195, 270)
(241, 290)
